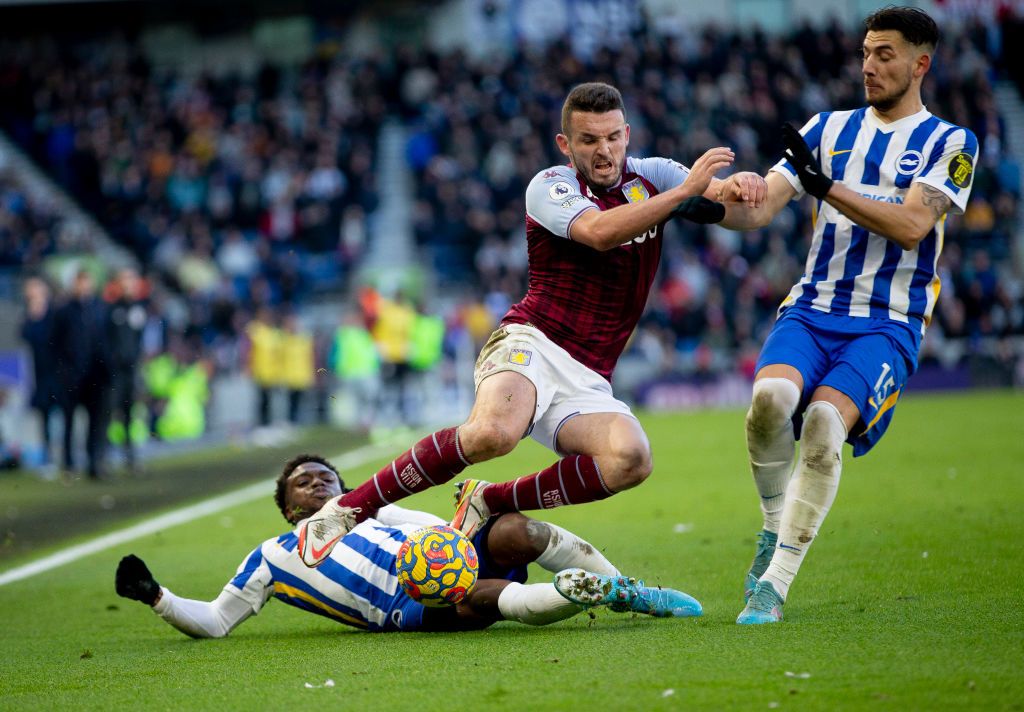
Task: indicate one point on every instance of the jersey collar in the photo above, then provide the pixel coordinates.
(872, 120)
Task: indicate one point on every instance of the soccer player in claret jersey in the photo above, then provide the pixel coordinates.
(847, 336)
(357, 584)
(594, 233)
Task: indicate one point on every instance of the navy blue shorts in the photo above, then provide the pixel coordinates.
(868, 359)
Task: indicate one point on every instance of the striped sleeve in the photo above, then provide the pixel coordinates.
(253, 582)
(950, 166)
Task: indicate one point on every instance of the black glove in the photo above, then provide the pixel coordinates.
(134, 581)
(807, 167)
(700, 210)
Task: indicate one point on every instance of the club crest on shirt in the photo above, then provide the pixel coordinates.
(635, 191)
(909, 162)
(560, 191)
(960, 170)
(520, 357)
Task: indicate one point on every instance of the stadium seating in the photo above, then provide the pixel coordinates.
(236, 188)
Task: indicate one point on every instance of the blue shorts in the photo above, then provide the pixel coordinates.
(868, 359)
(409, 614)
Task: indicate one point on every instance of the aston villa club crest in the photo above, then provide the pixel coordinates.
(635, 191)
(520, 357)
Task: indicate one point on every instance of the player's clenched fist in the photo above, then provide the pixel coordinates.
(133, 580)
(745, 187)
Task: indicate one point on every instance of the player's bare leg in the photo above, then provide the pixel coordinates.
(617, 443)
(771, 445)
(516, 540)
(501, 415)
(809, 497)
(606, 453)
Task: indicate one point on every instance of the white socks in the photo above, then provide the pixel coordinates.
(541, 603)
(535, 604)
(771, 443)
(810, 493)
(565, 550)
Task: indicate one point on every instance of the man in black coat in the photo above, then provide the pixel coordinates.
(81, 350)
(37, 332)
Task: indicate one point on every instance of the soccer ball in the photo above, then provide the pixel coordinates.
(437, 566)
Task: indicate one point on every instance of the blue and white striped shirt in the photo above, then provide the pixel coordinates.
(355, 585)
(851, 271)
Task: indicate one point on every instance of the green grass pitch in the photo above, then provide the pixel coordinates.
(910, 599)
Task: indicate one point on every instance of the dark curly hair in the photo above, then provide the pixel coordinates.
(289, 468)
(916, 26)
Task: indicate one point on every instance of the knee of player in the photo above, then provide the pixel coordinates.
(516, 540)
(773, 404)
(822, 438)
(633, 464)
(538, 536)
(486, 437)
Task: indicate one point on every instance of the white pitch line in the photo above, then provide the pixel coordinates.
(356, 458)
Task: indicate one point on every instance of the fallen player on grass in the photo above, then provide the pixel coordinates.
(357, 584)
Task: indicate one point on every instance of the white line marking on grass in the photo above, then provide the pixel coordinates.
(356, 458)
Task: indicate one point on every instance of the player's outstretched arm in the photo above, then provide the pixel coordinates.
(745, 206)
(607, 229)
(905, 224)
(198, 619)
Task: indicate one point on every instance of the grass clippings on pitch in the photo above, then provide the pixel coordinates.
(908, 600)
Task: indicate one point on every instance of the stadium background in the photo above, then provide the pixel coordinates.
(347, 167)
(292, 153)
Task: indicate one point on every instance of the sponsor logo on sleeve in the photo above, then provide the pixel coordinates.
(635, 191)
(520, 357)
(550, 174)
(909, 162)
(961, 169)
(560, 191)
(572, 201)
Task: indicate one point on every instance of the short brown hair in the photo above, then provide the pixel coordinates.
(289, 468)
(916, 26)
(593, 97)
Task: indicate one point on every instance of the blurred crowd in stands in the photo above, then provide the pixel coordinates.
(109, 354)
(240, 188)
(485, 128)
(241, 197)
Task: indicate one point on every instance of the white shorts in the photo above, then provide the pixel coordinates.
(565, 387)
